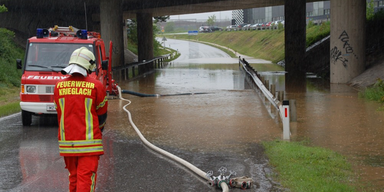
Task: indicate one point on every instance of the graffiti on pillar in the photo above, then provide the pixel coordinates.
(336, 55)
(340, 55)
(347, 47)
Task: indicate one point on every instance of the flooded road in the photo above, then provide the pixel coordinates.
(330, 116)
(222, 127)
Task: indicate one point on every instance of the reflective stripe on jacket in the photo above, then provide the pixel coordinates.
(79, 100)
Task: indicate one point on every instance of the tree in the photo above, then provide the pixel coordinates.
(370, 9)
(161, 18)
(211, 20)
(3, 8)
(133, 39)
(169, 27)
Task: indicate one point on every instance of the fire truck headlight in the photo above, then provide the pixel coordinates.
(30, 89)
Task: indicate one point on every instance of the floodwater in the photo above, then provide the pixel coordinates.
(330, 116)
(334, 117)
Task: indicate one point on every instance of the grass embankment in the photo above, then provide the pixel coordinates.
(158, 49)
(265, 44)
(304, 169)
(262, 44)
(9, 75)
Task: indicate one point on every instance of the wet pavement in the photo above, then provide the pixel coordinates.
(223, 127)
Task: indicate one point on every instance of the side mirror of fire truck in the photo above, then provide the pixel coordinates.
(18, 63)
(104, 65)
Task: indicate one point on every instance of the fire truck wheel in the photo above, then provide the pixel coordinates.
(26, 118)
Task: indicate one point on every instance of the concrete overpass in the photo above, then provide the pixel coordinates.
(108, 16)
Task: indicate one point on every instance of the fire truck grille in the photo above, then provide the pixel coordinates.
(46, 89)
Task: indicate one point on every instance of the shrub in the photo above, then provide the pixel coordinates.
(375, 92)
(9, 52)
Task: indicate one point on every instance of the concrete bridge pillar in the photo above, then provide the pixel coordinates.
(111, 29)
(295, 37)
(347, 50)
(145, 37)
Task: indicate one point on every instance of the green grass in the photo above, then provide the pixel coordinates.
(317, 32)
(9, 108)
(304, 169)
(375, 92)
(9, 100)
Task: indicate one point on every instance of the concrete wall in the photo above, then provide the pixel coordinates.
(145, 37)
(295, 45)
(317, 59)
(111, 22)
(347, 47)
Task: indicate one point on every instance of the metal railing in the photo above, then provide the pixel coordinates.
(136, 69)
(281, 106)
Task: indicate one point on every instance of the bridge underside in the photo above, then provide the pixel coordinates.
(103, 15)
(131, 7)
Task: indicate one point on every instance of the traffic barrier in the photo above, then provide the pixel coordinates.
(276, 100)
(132, 70)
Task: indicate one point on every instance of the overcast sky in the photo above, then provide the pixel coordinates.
(220, 15)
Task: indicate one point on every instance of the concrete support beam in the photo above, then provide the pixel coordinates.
(111, 29)
(295, 23)
(145, 37)
(348, 39)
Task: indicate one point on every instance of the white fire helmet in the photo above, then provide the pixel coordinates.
(82, 61)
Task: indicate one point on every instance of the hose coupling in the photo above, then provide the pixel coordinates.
(241, 182)
(217, 180)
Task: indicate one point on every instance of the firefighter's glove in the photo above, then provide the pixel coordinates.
(102, 121)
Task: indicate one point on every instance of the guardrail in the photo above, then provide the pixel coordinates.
(132, 70)
(276, 100)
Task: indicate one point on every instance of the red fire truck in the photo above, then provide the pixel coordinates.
(46, 55)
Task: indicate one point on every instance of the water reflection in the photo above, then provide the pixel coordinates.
(330, 116)
(295, 82)
(336, 118)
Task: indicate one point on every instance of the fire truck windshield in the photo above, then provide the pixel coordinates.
(50, 56)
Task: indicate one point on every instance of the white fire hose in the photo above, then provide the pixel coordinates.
(220, 181)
